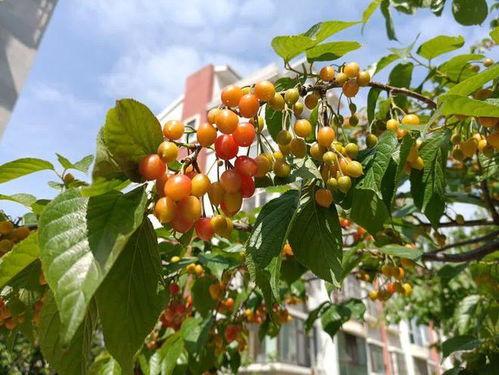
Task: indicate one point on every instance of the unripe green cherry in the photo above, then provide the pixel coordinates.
(329, 157)
(284, 137)
(352, 150)
(371, 140)
(344, 184)
(291, 96)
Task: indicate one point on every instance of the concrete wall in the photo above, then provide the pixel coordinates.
(22, 24)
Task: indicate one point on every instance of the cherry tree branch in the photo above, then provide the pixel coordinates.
(475, 254)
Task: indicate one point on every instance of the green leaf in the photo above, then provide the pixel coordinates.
(291, 270)
(80, 240)
(386, 146)
(316, 239)
(368, 210)
(164, 360)
(494, 34)
(456, 66)
(466, 313)
(401, 158)
(105, 365)
(462, 105)
(372, 99)
(24, 199)
(315, 314)
(469, 12)
(130, 133)
(105, 167)
(288, 47)
(472, 84)
(331, 50)
(22, 167)
(130, 296)
(195, 333)
(385, 10)
(401, 251)
(74, 357)
(428, 186)
(439, 45)
(101, 185)
(368, 12)
(273, 119)
(21, 256)
(459, 343)
(66, 164)
(401, 76)
(201, 298)
(336, 315)
(84, 164)
(385, 61)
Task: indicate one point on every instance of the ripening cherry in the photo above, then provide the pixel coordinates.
(325, 136)
(244, 134)
(341, 78)
(410, 119)
(231, 333)
(181, 225)
(277, 102)
(168, 151)
(350, 88)
(212, 115)
(283, 137)
(189, 209)
(298, 147)
(324, 197)
(226, 147)
(178, 187)
(246, 166)
(204, 229)
(392, 124)
(352, 150)
(200, 185)
(247, 186)
(316, 151)
(344, 184)
(231, 181)
(298, 108)
(227, 121)
(165, 209)
(291, 96)
(231, 95)
(488, 122)
(281, 168)
(248, 106)
(151, 167)
(160, 184)
(216, 193)
(264, 165)
(327, 73)
(173, 288)
(351, 70)
(206, 134)
(311, 100)
(493, 140)
(363, 78)
(219, 224)
(353, 169)
(264, 91)
(231, 203)
(302, 128)
(174, 129)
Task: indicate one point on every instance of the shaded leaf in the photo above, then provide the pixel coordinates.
(331, 51)
(469, 12)
(18, 258)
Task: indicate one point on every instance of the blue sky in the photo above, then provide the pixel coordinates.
(95, 52)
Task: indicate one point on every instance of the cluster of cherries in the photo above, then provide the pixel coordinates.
(177, 310)
(10, 235)
(389, 288)
(487, 145)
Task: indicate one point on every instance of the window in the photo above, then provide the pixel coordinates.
(352, 354)
(398, 363)
(377, 360)
(420, 367)
(291, 346)
(418, 333)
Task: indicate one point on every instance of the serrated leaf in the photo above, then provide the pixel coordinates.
(201, 298)
(130, 296)
(455, 67)
(316, 239)
(469, 12)
(66, 164)
(84, 164)
(24, 199)
(72, 358)
(22, 167)
(18, 258)
(195, 333)
(331, 50)
(101, 186)
(465, 313)
(439, 45)
(80, 240)
(385, 61)
(105, 365)
(368, 210)
(472, 84)
(336, 315)
(130, 133)
(459, 343)
(462, 105)
(288, 47)
(164, 360)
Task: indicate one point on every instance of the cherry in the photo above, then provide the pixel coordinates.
(283, 137)
(165, 209)
(324, 197)
(303, 128)
(363, 78)
(248, 105)
(325, 136)
(410, 119)
(168, 151)
(344, 184)
(226, 147)
(291, 96)
(231, 181)
(350, 88)
(247, 186)
(231, 95)
(151, 167)
(298, 147)
(174, 129)
(264, 91)
(341, 78)
(354, 169)
(277, 102)
(311, 100)
(219, 224)
(392, 124)
(212, 115)
(281, 168)
(351, 70)
(231, 203)
(206, 134)
(244, 134)
(216, 193)
(264, 164)
(178, 187)
(181, 225)
(227, 121)
(298, 108)
(327, 73)
(200, 185)
(317, 151)
(246, 166)
(160, 184)
(189, 209)
(204, 229)
(231, 332)
(173, 288)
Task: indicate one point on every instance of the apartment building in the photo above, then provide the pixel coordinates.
(360, 347)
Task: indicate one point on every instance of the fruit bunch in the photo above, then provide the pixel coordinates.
(177, 310)
(11, 234)
(388, 288)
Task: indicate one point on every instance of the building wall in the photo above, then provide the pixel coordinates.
(22, 24)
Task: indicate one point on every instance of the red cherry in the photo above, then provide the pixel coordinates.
(244, 134)
(246, 166)
(181, 225)
(204, 229)
(173, 288)
(247, 186)
(225, 147)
